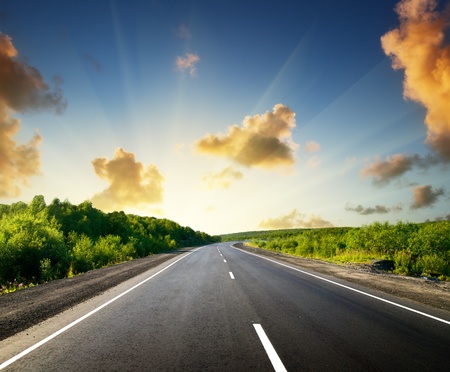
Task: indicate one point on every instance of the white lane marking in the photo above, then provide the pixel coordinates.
(350, 288)
(62, 330)
(231, 275)
(273, 356)
(224, 260)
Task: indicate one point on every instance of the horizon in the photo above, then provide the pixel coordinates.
(232, 117)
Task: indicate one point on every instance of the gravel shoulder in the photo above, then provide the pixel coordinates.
(27, 307)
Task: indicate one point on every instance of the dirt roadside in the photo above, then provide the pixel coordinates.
(22, 309)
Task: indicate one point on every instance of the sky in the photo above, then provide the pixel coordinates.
(229, 116)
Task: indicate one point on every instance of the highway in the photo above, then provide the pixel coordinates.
(218, 308)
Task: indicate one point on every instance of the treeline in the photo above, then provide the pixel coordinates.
(40, 242)
(413, 249)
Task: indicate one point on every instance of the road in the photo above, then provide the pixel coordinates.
(219, 308)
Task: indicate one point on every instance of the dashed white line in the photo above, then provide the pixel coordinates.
(224, 260)
(231, 275)
(277, 364)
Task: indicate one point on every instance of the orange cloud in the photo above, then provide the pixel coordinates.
(383, 172)
(425, 196)
(131, 184)
(17, 162)
(419, 47)
(263, 140)
(22, 88)
(294, 219)
(188, 63)
(222, 179)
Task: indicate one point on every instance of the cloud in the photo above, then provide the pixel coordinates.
(312, 146)
(188, 63)
(22, 88)
(221, 179)
(131, 184)
(262, 141)
(378, 209)
(420, 46)
(18, 162)
(294, 219)
(383, 172)
(425, 196)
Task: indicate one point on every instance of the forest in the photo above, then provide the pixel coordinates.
(412, 249)
(40, 242)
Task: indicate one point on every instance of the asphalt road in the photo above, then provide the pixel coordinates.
(221, 309)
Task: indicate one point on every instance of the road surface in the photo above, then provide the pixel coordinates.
(219, 308)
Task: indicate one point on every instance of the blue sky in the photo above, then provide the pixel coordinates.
(229, 116)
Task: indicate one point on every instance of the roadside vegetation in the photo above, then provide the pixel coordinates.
(411, 249)
(40, 242)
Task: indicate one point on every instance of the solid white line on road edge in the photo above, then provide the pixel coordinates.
(231, 275)
(62, 330)
(273, 356)
(350, 288)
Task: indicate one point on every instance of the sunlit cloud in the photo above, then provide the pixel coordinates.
(188, 63)
(22, 89)
(312, 146)
(222, 179)
(384, 171)
(294, 219)
(131, 183)
(420, 46)
(425, 196)
(18, 162)
(378, 209)
(395, 166)
(262, 141)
